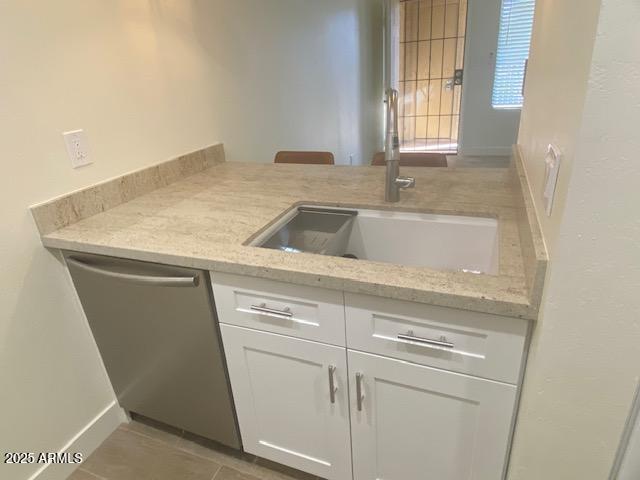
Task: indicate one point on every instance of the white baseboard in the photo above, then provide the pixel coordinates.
(85, 441)
(485, 151)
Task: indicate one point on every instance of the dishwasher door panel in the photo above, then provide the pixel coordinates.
(156, 330)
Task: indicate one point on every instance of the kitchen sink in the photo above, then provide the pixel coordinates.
(442, 242)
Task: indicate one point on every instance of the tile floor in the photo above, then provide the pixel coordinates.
(143, 450)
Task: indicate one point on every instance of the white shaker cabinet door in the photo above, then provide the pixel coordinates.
(413, 422)
(286, 411)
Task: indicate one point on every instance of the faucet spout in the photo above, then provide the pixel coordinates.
(393, 181)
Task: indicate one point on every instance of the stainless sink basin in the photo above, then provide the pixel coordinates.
(442, 242)
(323, 231)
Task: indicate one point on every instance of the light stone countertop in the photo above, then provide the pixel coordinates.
(205, 219)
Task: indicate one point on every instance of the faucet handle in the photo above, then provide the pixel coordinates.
(405, 182)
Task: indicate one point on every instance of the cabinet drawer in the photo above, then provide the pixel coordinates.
(294, 310)
(478, 344)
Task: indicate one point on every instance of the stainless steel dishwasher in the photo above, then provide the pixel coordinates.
(158, 335)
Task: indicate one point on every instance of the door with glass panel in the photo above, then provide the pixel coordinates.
(437, 48)
(430, 48)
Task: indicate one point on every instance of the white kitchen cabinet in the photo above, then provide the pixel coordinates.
(285, 408)
(413, 422)
(435, 400)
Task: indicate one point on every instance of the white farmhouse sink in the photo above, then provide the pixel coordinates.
(442, 242)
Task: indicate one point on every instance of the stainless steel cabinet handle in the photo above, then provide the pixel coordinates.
(427, 341)
(332, 387)
(137, 279)
(359, 395)
(262, 308)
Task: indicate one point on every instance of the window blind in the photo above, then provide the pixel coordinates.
(514, 39)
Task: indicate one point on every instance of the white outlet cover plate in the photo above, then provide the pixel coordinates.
(553, 159)
(77, 148)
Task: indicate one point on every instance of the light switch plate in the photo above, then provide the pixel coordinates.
(552, 167)
(77, 148)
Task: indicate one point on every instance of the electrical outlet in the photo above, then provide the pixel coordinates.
(77, 148)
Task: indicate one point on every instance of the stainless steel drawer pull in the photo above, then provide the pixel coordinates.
(332, 386)
(442, 342)
(262, 308)
(359, 395)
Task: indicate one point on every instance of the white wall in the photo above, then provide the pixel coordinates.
(583, 365)
(296, 75)
(147, 80)
(559, 66)
(483, 130)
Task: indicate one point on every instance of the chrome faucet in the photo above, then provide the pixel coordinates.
(393, 181)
